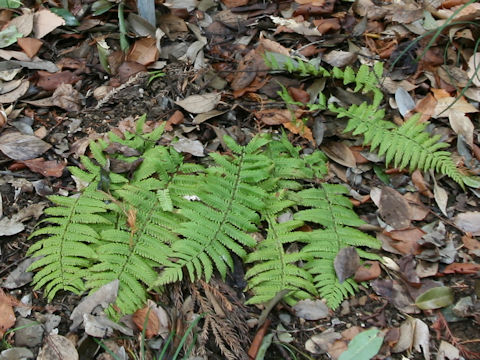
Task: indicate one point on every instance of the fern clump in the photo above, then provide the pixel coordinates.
(408, 145)
(159, 219)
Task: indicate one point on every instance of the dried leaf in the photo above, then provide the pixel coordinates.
(461, 268)
(104, 296)
(193, 147)
(468, 222)
(394, 209)
(441, 198)
(367, 273)
(30, 46)
(298, 127)
(144, 51)
(58, 347)
(152, 323)
(311, 309)
(274, 116)
(45, 21)
(18, 146)
(462, 125)
(198, 104)
(421, 338)
(7, 320)
(49, 81)
(340, 153)
(16, 94)
(46, 168)
(473, 72)
(346, 263)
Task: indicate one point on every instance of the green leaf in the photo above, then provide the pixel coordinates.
(435, 298)
(101, 6)
(364, 346)
(10, 4)
(70, 20)
(9, 36)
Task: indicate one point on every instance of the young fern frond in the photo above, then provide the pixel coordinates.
(67, 252)
(223, 214)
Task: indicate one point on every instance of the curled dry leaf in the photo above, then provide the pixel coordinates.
(18, 146)
(49, 81)
(273, 116)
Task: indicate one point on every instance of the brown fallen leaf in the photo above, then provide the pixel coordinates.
(468, 222)
(473, 245)
(346, 263)
(18, 146)
(65, 97)
(340, 153)
(49, 81)
(368, 271)
(176, 118)
(273, 116)
(144, 51)
(394, 209)
(298, 127)
(46, 168)
(30, 46)
(461, 268)
(406, 241)
(7, 320)
(299, 95)
(147, 316)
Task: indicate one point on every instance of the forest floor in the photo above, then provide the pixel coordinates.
(66, 81)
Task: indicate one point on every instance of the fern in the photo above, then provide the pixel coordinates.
(408, 145)
(226, 211)
(328, 207)
(275, 268)
(67, 253)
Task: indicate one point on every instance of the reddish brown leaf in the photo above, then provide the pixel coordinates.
(274, 116)
(419, 181)
(129, 68)
(299, 95)
(46, 168)
(153, 323)
(175, 119)
(49, 81)
(461, 268)
(406, 240)
(144, 51)
(366, 273)
(326, 25)
(298, 127)
(7, 318)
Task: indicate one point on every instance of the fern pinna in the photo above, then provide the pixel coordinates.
(222, 214)
(407, 145)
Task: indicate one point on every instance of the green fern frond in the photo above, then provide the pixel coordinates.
(276, 269)
(327, 206)
(223, 216)
(66, 253)
(408, 145)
